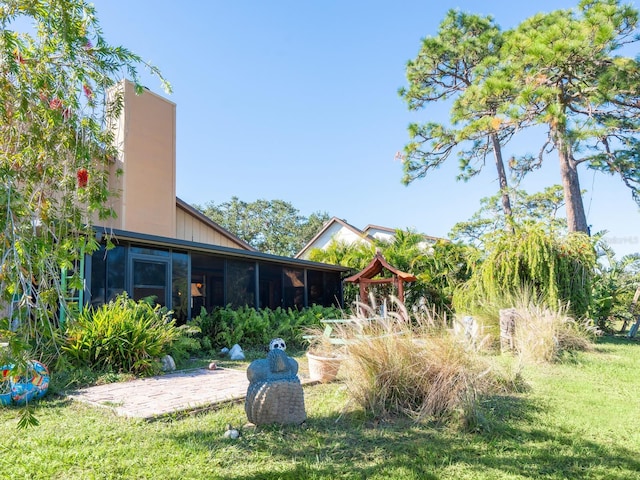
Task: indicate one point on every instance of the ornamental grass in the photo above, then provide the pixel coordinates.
(543, 334)
(398, 365)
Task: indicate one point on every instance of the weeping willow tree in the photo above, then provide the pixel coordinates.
(555, 270)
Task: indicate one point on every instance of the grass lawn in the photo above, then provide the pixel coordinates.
(580, 419)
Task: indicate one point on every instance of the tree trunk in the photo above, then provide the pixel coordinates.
(576, 218)
(502, 179)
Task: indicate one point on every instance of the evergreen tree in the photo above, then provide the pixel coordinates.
(448, 67)
(560, 70)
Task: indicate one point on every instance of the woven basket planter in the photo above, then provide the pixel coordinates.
(323, 369)
(280, 401)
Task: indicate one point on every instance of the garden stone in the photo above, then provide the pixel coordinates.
(236, 353)
(168, 363)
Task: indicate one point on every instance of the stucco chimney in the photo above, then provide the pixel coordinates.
(145, 135)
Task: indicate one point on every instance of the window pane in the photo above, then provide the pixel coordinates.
(98, 277)
(179, 292)
(315, 286)
(115, 272)
(150, 251)
(293, 288)
(150, 280)
(270, 286)
(332, 289)
(241, 283)
(207, 275)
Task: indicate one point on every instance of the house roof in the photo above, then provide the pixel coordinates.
(204, 219)
(253, 254)
(376, 266)
(378, 227)
(364, 234)
(392, 231)
(328, 224)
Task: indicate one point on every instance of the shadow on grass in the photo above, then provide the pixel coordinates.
(610, 343)
(512, 442)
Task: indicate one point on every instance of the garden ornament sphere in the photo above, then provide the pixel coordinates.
(20, 389)
(277, 343)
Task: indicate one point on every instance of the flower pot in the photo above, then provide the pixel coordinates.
(323, 369)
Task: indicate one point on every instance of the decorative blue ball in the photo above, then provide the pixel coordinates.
(20, 389)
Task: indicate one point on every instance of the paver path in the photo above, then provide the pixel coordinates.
(166, 394)
(177, 392)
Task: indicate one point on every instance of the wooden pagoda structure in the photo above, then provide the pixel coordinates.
(366, 276)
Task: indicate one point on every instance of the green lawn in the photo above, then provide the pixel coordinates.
(579, 420)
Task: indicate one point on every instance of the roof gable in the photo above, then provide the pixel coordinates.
(334, 229)
(376, 266)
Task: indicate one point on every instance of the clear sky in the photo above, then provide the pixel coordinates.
(297, 100)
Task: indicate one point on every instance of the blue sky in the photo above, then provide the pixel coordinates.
(297, 101)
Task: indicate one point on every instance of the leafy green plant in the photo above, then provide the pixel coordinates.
(187, 344)
(614, 284)
(58, 73)
(251, 328)
(556, 270)
(122, 336)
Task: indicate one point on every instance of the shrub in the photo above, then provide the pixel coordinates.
(122, 336)
(187, 344)
(557, 269)
(224, 327)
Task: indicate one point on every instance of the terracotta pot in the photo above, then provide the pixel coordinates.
(323, 369)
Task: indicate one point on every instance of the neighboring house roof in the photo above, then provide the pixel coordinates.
(370, 227)
(202, 218)
(333, 229)
(341, 231)
(371, 230)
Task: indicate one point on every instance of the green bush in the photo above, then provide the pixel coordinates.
(188, 344)
(251, 328)
(558, 270)
(121, 336)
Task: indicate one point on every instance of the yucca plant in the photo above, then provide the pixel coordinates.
(121, 336)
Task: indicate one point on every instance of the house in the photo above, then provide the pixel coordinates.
(340, 231)
(166, 248)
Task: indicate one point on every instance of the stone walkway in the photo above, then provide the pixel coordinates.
(172, 393)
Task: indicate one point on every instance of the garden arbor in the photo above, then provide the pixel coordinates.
(366, 277)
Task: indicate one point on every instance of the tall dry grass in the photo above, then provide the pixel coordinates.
(413, 366)
(543, 334)
(543, 331)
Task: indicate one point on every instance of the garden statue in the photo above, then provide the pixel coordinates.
(275, 393)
